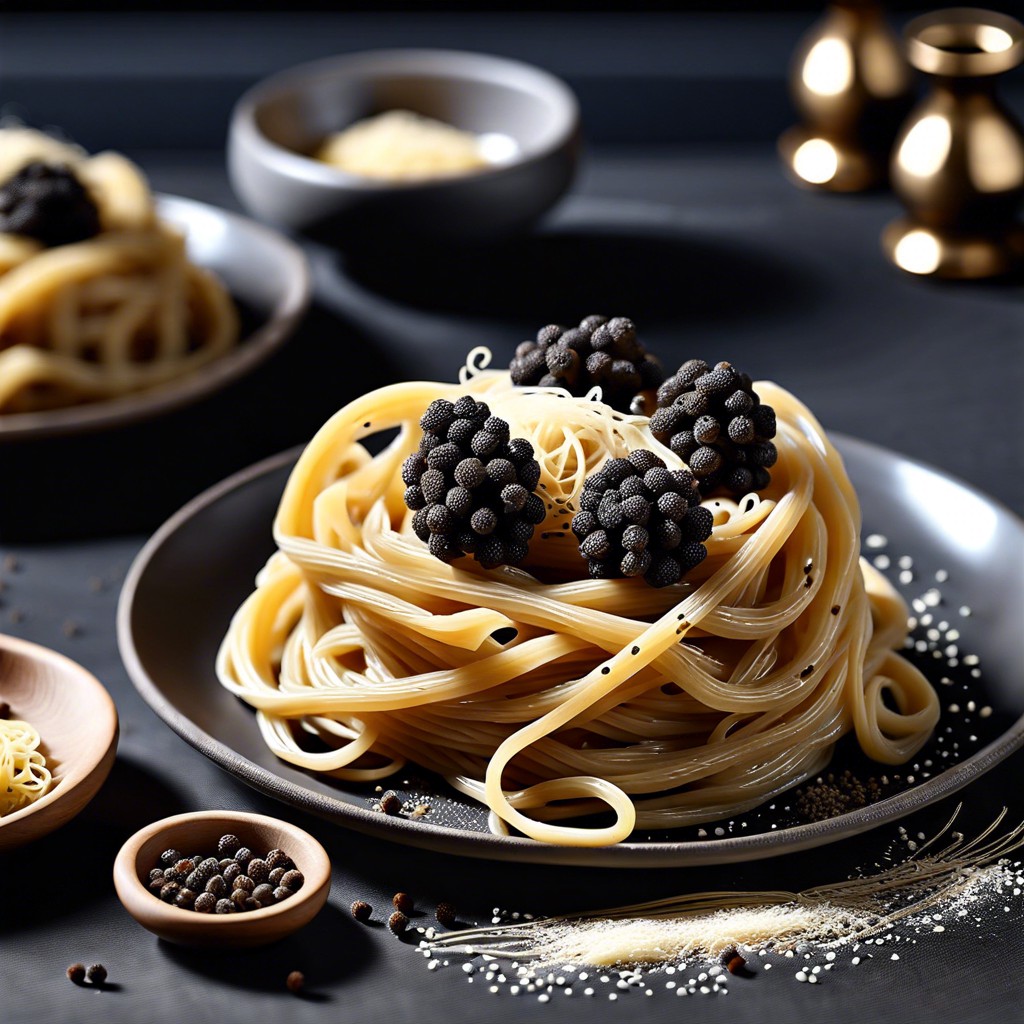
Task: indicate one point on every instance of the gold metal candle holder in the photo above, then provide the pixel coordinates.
(852, 87)
(958, 164)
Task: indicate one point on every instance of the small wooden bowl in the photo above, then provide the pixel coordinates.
(200, 831)
(77, 724)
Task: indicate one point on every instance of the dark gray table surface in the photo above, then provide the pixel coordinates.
(713, 254)
(706, 246)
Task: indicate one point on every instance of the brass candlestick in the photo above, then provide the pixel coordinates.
(958, 165)
(852, 87)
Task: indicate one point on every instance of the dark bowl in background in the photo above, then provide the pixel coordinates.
(281, 120)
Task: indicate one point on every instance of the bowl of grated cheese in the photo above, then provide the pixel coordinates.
(436, 144)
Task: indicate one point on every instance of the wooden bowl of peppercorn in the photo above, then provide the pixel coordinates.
(182, 878)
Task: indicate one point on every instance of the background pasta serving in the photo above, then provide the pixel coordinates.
(97, 296)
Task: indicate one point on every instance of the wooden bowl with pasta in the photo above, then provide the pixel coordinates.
(76, 723)
(201, 830)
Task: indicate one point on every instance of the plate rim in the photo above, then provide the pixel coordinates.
(448, 840)
(249, 352)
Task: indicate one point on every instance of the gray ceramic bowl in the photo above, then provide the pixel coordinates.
(278, 122)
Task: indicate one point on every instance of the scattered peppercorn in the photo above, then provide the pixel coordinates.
(295, 981)
(97, 974)
(390, 802)
(5, 710)
(403, 902)
(638, 518)
(599, 352)
(446, 915)
(361, 911)
(398, 922)
(48, 203)
(76, 973)
(714, 420)
(734, 963)
(471, 485)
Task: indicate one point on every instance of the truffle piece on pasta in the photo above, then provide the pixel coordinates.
(639, 518)
(47, 202)
(599, 352)
(712, 418)
(471, 485)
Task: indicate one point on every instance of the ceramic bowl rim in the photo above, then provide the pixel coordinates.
(291, 164)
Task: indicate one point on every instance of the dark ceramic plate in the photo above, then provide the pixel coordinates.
(956, 554)
(266, 275)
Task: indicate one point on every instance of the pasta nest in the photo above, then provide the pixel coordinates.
(547, 695)
(116, 313)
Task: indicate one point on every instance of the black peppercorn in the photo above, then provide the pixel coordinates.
(185, 899)
(403, 902)
(205, 903)
(295, 981)
(225, 906)
(264, 893)
(169, 858)
(275, 876)
(76, 973)
(97, 974)
(169, 891)
(245, 883)
(278, 859)
(446, 915)
(398, 922)
(258, 870)
(231, 872)
(282, 892)
(390, 802)
(293, 880)
(228, 845)
(361, 911)
(244, 855)
(217, 885)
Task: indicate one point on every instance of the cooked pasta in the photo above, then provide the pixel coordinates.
(24, 776)
(116, 312)
(667, 706)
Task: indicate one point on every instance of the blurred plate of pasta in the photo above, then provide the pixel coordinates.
(117, 304)
(964, 588)
(267, 278)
